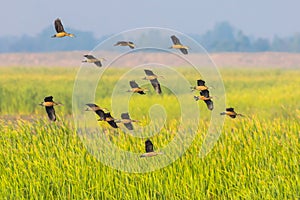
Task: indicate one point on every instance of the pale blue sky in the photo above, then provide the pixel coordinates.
(264, 18)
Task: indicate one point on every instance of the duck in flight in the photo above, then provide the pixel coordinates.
(109, 119)
(153, 80)
(231, 113)
(125, 119)
(49, 105)
(103, 113)
(204, 95)
(200, 85)
(135, 88)
(94, 107)
(177, 45)
(125, 43)
(60, 31)
(149, 150)
(92, 59)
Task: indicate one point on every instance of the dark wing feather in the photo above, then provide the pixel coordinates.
(129, 126)
(108, 115)
(100, 113)
(232, 116)
(113, 124)
(204, 93)
(149, 72)
(149, 146)
(175, 40)
(156, 85)
(200, 82)
(89, 56)
(141, 92)
(133, 84)
(184, 51)
(125, 116)
(92, 105)
(58, 26)
(48, 99)
(230, 109)
(210, 104)
(51, 113)
(98, 63)
(120, 43)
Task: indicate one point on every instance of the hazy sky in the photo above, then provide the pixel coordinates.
(264, 18)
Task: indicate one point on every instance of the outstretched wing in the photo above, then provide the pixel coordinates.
(100, 113)
(98, 63)
(200, 82)
(156, 85)
(210, 104)
(230, 109)
(125, 116)
(149, 72)
(149, 146)
(51, 113)
(204, 93)
(129, 126)
(48, 99)
(120, 43)
(133, 84)
(112, 123)
(89, 56)
(175, 40)
(92, 105)
(58, 26)
(184, 51)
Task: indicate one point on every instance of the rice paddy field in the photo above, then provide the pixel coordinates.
(255, 157)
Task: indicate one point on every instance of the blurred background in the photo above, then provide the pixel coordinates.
(229, 26)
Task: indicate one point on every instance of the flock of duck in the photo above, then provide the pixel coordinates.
(105, 115)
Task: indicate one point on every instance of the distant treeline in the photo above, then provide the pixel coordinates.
(222, 38)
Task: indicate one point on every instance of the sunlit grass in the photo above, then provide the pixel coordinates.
(256, 157)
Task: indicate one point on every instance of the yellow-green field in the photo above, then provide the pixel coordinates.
(256, 157)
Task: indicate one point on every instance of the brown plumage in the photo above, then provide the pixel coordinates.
(200, 86)
(110, 120)
(125, 43)
(149, 150)
(153, 80)
(92, 59)
(204, 95)
(60, 30)
(231, 113)
(99, 111)
(49, 106)
(135, 88)
(177, 45)
(125, 119)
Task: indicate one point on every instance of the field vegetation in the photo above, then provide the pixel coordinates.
(256, 157)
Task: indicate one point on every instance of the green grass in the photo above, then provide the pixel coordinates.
(256, 157)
